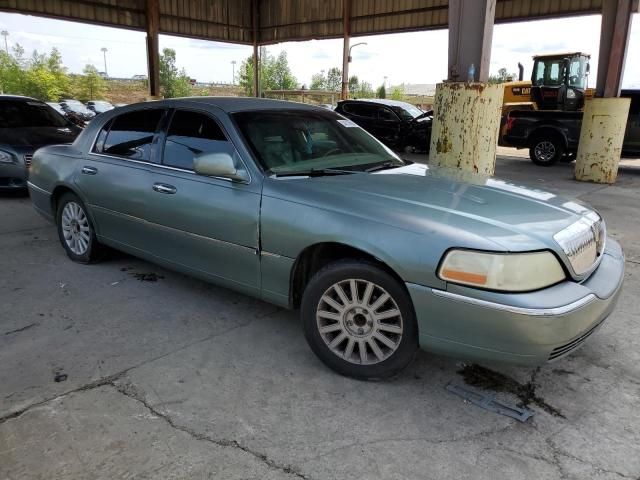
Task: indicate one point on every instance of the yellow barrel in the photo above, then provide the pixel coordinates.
(466, 121)
(603, 126)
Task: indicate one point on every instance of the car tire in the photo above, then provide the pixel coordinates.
(75, 230)
(546, 149)
(373, 335)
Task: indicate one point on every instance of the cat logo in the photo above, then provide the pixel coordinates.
(521, 90)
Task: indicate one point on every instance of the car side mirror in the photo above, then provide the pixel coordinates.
(219, 164)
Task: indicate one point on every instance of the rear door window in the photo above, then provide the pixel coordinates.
(360, 110)
(191, 134)
(131, 135)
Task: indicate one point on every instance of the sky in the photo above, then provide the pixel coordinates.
(419, 57)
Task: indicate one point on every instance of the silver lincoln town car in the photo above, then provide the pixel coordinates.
(301, 207)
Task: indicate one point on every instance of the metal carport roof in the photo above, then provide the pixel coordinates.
(285, 20)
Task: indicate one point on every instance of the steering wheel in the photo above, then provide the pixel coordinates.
(336, 150)
(574, 79)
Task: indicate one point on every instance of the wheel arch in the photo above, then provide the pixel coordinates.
(549, 131)
(316, 256)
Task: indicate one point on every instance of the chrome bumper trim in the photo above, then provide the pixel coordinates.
(35, 187)
(534, 312)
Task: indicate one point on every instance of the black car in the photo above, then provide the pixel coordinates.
(27, 124)
(77, 108)
(399, 125)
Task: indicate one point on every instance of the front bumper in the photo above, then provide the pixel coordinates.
(13, 176)
(524, 328)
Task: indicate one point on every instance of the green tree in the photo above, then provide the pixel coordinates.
(397, 93)
(11, 75)
(319, 81)
(334, 79)
(41, 76)
(280, 73)
(90, 85)
(275, 73)
(173, 82)
(365, 90)
(502, 76)
(354, 83)
(381, 92)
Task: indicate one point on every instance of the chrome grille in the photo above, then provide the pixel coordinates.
(583, 242)
(27, 160)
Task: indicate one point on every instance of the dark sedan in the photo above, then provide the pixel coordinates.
(78, 109)
(27, 124)
(399, 125)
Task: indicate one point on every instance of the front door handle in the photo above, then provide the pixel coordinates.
(89, 170)
(164, 188)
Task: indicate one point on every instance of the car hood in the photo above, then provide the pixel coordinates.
(35, 137)
(476, 211)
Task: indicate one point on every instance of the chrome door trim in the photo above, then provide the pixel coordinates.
(534, 312)
(165, 167)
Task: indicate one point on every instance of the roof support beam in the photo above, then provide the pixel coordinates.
(153, 54)
(346, 13)
(470, 34)
(614, 42)
(256, 44)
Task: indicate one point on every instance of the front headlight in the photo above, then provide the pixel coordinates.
(510, 272)
(571, 93)
(5, 157)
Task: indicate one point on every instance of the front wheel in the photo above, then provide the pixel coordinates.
(546, 150)
(76, 231)
(359, 320)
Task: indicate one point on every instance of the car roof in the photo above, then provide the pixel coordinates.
(238, 104)
(380, 101)
(18, 97)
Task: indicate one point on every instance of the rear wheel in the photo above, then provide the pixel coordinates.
(546, 149)
(76, 231)
(359, 320)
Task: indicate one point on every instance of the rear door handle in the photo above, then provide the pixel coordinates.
(164, 188)
(89, 170)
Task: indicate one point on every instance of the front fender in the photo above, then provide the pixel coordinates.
(288, 228)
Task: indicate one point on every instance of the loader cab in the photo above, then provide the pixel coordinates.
(559, 82)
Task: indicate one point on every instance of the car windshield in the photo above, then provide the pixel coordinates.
(407, 111)
(292, 141)
(25, 114)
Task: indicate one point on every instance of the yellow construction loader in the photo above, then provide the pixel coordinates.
(558, 82)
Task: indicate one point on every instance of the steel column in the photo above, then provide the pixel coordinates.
(153, 54)
(346, 13)
(256, 57)
(614, 40)
(470, 34)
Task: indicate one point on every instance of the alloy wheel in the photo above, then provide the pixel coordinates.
(75, 228)
(359, 321)
(545, 151)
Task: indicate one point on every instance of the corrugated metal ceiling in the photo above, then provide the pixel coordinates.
(285, 20)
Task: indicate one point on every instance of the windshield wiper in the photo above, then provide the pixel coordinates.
(387, 164)
(315, 172)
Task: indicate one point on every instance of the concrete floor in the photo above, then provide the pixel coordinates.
(176, 378)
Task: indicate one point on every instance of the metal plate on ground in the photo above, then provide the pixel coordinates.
(488, 401)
